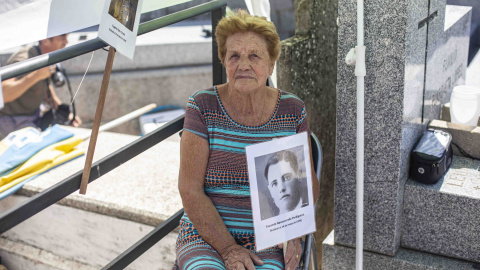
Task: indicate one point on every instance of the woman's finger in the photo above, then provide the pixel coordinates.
(249, 264)
(256, 260)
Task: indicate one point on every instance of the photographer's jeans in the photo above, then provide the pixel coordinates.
(9, 123)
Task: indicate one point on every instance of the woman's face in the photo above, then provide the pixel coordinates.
(247, 61)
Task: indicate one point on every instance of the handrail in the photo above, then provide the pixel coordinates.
(19, 213)
(129, 255)
(28, 208)
(44, 60)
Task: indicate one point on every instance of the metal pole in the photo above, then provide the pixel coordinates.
(360, 72)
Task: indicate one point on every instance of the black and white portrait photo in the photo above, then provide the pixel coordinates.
(284, 188)
(280, 176)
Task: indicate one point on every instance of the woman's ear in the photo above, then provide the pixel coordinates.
(272, 65)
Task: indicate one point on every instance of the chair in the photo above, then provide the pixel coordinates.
(309, 246)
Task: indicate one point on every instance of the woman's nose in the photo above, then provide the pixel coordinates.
(244, 63)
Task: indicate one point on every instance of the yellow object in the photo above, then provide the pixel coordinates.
(44, 160)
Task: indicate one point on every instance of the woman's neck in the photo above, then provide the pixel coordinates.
(250, 109)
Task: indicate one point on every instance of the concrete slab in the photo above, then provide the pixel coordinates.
(443, 218)
(62, 237)
(337, 257)
(19, 256)
(142, 190)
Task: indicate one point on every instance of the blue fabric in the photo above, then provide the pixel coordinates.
(23, 144)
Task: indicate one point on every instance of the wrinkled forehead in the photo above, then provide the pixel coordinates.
(246, 42)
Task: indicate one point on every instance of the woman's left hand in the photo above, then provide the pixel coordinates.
(292, 256)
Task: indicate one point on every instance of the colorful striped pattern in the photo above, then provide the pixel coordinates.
(226, 179)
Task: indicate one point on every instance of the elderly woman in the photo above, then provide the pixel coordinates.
(217, 228)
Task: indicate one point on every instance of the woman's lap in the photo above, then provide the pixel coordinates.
(205, 257)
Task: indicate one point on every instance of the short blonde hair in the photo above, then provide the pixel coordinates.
(241, 22)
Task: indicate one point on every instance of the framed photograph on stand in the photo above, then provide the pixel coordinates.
(119, 25)
(281, 189)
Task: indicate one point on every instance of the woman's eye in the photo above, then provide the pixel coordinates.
(254, 55)
(234, 55)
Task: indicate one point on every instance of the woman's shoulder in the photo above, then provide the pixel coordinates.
(204, 93)
(290, 99)
(204, 99)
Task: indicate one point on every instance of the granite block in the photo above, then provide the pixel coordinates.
(380, 218)
(337, 257)
(470, 3)
(443, 218)
(393, 108)
(403, 55)
(447, 56)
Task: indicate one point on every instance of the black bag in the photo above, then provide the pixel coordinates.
(431, 157)
(58, 116)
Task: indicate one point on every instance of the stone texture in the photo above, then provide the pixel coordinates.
(394, 88)
(475, 27)
(337, 257)
(393, 94)
(444, 218)
(307, 67)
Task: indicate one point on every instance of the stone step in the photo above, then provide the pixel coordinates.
(444, 218)
(118, 209)
(338, 257)
(67, 236)
(19, 256)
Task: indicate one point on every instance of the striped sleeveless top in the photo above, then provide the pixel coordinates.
(226, 180)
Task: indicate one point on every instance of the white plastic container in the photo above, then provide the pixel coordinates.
(465, 105)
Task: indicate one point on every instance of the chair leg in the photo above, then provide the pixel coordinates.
(313, 255)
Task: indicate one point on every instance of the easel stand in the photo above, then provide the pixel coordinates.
(97, 120)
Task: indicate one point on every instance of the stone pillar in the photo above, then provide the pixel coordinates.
(413, 61)
(308, 68)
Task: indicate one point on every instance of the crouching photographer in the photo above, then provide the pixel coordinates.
(30, 99)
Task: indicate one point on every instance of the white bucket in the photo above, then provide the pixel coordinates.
(465, 105)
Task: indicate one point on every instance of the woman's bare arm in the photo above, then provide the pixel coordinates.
(194, 153)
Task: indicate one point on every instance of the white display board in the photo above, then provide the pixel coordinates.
(281, 190)
(26, 21)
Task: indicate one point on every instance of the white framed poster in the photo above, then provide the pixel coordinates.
(280, 178)
(119, 25)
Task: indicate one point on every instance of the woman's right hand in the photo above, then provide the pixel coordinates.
(237, 257)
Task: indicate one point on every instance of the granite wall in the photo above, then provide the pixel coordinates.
(308, 68)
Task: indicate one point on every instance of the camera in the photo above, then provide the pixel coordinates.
(58, 77)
